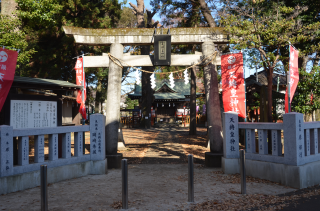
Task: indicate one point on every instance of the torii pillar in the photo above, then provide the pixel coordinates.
(212, 158)
(112, 111)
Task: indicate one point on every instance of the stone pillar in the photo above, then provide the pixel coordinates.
(230, 135)
(293, 131)
(78, 142)
(113, 108)
(6, 150)
(66, 145)
(97, 135)
(39, 149)
(213, 109)
(230, 161)
(53, 146)
(23, 151)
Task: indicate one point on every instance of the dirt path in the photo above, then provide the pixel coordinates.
(164, 145)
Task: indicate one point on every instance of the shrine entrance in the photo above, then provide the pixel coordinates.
(116, 60)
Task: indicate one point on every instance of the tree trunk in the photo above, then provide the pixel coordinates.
(147, 92)
(206, 13)
(193, 114)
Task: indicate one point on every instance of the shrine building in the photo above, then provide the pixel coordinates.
(169, 103)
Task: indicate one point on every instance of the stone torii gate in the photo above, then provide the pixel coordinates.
(208, 37)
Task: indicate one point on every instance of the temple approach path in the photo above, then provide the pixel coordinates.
(169, 145)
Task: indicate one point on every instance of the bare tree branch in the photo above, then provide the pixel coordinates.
(207, 13)
(134, 8)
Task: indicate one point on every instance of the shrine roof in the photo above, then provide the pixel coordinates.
(42, 83)
(179, 91)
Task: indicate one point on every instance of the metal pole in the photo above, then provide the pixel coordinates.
(243, 171)
(245, 102)
(190, 179)
(83, 120)
(43, 187)
(289, 85)
(124, 166)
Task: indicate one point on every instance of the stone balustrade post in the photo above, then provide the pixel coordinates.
(78, 144)
(6, 150)
(53, 147)
(230, 135)
(23, 151)
(66, 145)
(294, 149)
(39, 149)
(97, 137)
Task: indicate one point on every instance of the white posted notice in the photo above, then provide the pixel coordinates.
(33, 114)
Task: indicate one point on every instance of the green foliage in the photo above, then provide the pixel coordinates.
(308, 83)
(127, 19)
(42, 21)
(42, 12)
(131, 103)
(12, 37)
(268, 27)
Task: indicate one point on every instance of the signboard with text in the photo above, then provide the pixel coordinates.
(33, 114)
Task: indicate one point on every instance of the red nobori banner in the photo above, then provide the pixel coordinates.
(8, 62)
(83, 111)
(233, 94)
(294, 75)
(79, 77)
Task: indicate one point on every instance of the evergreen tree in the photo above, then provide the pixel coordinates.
(55, 52)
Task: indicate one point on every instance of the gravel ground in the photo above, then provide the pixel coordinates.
(151, 187)
(158, 180)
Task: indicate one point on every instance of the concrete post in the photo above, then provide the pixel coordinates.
(113, 108)
(213, 110)
(6, 150)
(294, 149)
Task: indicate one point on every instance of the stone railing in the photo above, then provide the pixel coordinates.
(300, 140)
(8, 134)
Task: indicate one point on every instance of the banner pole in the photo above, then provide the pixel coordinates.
(83, 121)
(288, 84)
(245, 99)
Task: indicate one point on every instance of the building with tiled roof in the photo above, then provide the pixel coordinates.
(167, 99)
